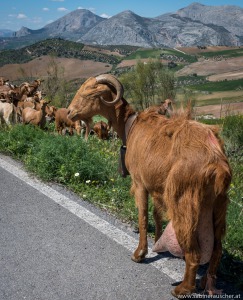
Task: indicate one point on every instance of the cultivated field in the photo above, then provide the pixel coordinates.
(72, 68)
(220, 110)
(215, 70)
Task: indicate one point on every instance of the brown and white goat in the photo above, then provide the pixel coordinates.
(7, 113)
(178, 161)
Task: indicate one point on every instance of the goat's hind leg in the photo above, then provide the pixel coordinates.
(208, 281)
(188, 285)
(141, 198)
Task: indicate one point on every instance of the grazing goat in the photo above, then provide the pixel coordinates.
(35, 117)
(62, 122)
(179, 162)
(101, 130)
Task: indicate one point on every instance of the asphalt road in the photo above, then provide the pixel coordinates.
(54, 246)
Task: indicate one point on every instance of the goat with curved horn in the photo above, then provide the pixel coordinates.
(181, 163)
(109, 79)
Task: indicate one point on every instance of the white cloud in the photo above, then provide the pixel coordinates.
(21, 16)
(45, 9)
(62, 9)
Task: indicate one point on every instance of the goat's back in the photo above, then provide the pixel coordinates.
(158, 146)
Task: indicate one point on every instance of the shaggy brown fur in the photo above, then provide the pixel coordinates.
(179, 162)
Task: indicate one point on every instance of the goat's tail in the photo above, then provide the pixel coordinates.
(220, 169)
(187, 192)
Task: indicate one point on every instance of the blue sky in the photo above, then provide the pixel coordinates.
(35, 14)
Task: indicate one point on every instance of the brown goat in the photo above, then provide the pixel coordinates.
(62, 122)
(33, 87)
(19, 93)
(178, 161)
(101, 130)
(35, 117)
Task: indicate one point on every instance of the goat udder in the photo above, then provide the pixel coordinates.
(169, 242)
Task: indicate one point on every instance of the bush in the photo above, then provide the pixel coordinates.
(232, 132)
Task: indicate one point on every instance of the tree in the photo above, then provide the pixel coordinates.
(148, 84)
(56, 87)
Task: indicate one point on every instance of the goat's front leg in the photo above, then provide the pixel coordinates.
(141, 198)
(158, 217)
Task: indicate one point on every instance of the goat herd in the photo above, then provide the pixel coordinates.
(25, 104)
(176, 160)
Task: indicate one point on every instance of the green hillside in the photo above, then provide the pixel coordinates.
(56, 47)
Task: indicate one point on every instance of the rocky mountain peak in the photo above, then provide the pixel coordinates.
(194, 25)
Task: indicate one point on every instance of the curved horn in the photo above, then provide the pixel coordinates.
(109, 79)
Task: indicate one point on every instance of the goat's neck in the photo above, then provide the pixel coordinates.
(118, 119)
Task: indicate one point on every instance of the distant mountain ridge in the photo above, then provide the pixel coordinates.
(6, 33)
(194, 25)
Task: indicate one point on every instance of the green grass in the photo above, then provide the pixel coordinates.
(90, 169)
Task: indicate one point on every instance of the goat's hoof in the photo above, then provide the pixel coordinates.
(203, 282)
(140, 256)
(181, 290)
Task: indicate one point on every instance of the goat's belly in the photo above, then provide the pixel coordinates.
(168, 240)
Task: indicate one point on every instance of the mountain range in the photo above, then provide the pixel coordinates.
(194, 25)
